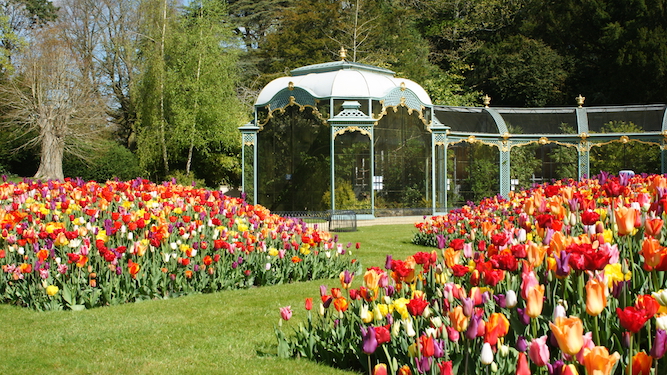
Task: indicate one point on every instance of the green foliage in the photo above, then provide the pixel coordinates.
(521, 72)
(188, 110)
(346, 199)
(108, 161)
(483, 180)
(617, 156)
(523, 163)
(181, 178)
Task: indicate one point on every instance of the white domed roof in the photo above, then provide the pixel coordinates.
(344, 80)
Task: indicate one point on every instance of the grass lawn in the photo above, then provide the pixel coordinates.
(229, 332)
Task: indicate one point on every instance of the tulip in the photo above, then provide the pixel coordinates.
(369, 341)
(535, 301)
(625, 219)
(365, 315)
(404, 370)
(652, 227)
(446, 368)
(486, 356)
(459, 320)
(570, 370)
(641, 364)
(497, 326)
(52, 290)
(309, 304)
(596, 299)
(599, 362)
(539, 351)
(380, 369)
(659, 344)
(569, 333)
(510, 299)
(286, 312)
(522, 367)
(631, 319)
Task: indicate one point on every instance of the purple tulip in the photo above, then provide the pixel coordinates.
(563, 264)
(368, 342)
(556, 368)
(387, 263)
(521, 344)
(441, 241)
(659, 344)
(473, 325)
(500, 300)
(423, 364)
(467, 305)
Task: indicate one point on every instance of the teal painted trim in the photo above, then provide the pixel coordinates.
(332, 165)
(498, 119)
(664, 120)
(505, 177)
(663, 158)
(582, 120)
(254, 171)
(372, 171)
(445, 176)
(584, 159)
(243, 185)
(433, 181)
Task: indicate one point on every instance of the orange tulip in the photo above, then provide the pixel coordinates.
(340, 304)
(655, 256)
(625, 219)
(497, 326)
(451, 256)
(535, 254)
(459, 320)
(653, 227)
(598, 361)
(372, 279)
(535, 301)
(641, 364)
(569, 333)
(405, 370)
(596, 300)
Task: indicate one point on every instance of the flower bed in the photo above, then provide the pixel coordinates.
(77, 244)
(560, 279)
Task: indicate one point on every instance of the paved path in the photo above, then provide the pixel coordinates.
(391, 220)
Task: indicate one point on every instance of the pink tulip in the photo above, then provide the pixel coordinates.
(539, 351)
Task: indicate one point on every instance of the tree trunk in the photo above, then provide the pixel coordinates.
(51, 161)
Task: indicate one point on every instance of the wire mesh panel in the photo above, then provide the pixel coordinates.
(343, 221)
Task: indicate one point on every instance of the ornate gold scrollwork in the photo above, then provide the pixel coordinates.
(352, 129)
(543, 141)
(624, 139)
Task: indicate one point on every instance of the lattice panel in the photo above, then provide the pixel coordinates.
(399, 96)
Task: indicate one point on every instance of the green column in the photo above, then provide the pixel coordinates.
(505, 170)
(584, 149)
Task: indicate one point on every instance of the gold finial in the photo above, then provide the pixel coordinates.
(580, 100)
(402, 86)
(487, 100)
(343, 53)
(290, 86)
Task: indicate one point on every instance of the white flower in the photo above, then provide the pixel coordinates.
(510, 299)
(486, 356)
(409, 328)
(661, 321)
(661, 296)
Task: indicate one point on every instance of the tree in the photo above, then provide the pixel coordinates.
(520, 71)
(202, 104)
(51, 99)
(157, 24)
